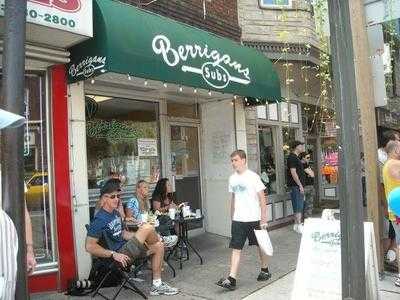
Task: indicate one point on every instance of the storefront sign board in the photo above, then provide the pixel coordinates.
(140, 44)
(318, 274)
(74, 16)
(147, 147)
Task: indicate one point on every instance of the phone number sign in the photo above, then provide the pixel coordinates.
(75, 16)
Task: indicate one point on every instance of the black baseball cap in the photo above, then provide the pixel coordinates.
(294, 144)
(110, 186)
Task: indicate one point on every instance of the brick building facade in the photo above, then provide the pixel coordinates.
(216, 16)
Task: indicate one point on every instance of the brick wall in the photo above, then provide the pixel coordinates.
(221, 15)
(266, 25)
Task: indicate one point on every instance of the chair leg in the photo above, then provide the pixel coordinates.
(170, 266)
(135, 289)
(96, 291)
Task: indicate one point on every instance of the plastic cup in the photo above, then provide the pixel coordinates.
(171, 213)
(198, 213)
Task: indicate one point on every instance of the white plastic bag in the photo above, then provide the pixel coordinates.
(264, 242)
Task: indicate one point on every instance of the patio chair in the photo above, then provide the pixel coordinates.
(114, 267)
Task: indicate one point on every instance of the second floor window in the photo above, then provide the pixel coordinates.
(275, 3)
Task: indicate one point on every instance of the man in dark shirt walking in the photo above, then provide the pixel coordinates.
(296, 182)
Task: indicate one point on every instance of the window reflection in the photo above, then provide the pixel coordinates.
(122, 140)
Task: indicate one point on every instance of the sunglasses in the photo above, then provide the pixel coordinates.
(114, 196)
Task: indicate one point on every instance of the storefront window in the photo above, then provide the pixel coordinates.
(36, 175)
(330, 166)
(267, 158)
(122, 140)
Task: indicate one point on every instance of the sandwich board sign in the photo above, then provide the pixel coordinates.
(318, 274)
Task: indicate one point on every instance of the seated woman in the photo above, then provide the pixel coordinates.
(138, 205)
(161, 199)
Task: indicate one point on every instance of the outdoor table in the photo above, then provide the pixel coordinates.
(183, 239)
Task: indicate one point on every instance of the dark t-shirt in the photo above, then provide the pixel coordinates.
(111, 225)
(294, 162)
(308, 179)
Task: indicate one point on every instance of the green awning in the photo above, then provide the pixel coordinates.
(128, 40)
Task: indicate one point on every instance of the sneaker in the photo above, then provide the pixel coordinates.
(300, 228)
(170, 240)
(397, 281)
(264, 276)
(295, 226)
(226, 283)
(163, 289)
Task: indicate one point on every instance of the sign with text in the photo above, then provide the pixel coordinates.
(75, 16)
(147, 147)
(318, 274)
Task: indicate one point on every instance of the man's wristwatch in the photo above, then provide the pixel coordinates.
(112, 254)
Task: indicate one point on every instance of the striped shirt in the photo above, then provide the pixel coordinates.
(8, 256)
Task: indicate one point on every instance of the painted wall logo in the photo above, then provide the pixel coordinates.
(87, 67)
(64, 5)
(214, 70)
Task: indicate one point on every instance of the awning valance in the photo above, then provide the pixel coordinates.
(128, 40)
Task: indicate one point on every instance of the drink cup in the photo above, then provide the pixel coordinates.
(198, 213)
(144, 217)
(171, 213)
(186, 211)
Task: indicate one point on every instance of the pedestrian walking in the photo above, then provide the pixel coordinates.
(248, 213)
(388, 238)
(391, 180)
(296, 181)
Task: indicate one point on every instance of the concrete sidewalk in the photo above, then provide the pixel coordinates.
(198, 281)
(282, 288)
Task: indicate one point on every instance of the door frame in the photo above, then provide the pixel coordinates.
(195, 123)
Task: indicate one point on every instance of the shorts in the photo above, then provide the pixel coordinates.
(396, 228)
(297, 199)
(241, 231)
(134, 249)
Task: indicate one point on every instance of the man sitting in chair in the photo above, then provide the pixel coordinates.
(125, 246)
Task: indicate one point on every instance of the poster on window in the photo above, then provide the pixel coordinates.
(147, 147)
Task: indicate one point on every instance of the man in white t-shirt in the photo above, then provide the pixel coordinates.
(248, 212)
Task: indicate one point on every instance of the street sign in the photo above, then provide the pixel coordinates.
(377, 12)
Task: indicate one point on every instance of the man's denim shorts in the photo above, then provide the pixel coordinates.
(297, 199)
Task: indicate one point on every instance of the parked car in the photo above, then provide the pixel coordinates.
(37, 191)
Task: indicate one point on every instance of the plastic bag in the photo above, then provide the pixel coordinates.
(264, 242)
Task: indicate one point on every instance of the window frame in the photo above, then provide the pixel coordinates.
(275, 6)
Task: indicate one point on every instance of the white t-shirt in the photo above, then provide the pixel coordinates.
(245, 187)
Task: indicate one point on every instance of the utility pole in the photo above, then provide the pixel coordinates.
(350, 191)
(365, 95)
(12, 139)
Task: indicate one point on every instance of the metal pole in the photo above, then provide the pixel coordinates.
(12, 139)
(350, 192)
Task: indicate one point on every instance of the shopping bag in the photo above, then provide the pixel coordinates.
(264, 242)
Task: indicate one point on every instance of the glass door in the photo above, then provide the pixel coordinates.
(185, 164)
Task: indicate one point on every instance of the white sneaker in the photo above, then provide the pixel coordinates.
(170, 240)
(163, 289)
(300, 228)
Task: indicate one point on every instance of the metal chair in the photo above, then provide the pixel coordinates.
(114, 267)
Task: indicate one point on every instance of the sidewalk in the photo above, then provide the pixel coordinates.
(282, 288)
(198, 281)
